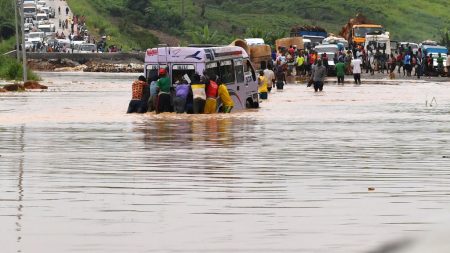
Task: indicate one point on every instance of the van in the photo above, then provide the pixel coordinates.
(86, 48)
(36, 36)
(41, 17)
(47, 28)
(380, 42)
(332, 51)
(435, 51)
(230, 63)
(406, 45)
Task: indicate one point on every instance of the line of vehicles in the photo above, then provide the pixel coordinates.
(371, 36)
(235, 64)
(40, 31)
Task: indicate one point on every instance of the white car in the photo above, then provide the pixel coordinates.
(28, 45)
(41, 17)
(87, 48)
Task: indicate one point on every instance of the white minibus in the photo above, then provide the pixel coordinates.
(230, 63)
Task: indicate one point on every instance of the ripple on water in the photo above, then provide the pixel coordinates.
(292, 176)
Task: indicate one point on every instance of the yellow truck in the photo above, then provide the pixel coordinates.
(359, 32)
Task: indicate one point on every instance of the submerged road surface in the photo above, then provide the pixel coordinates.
(79, 175)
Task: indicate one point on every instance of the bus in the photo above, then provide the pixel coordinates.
(231, 63)
(29, 9)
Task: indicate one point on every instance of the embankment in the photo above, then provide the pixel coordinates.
(95, 62)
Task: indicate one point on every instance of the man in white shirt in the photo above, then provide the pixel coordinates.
(270, 75)
(356, 64)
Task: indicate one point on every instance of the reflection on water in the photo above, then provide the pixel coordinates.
(185, 131)
(79, 175)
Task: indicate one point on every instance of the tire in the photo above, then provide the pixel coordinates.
(249, 103)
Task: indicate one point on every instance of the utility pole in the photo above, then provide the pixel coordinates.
(17, 30)
(24, 53)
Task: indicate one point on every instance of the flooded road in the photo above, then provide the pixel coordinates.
(79, 175)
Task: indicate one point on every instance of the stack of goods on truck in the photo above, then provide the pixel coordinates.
(285, 43)
(260, 53)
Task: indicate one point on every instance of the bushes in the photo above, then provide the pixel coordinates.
(11, 69)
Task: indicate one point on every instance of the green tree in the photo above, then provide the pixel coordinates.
(445, 40)
(256, 33)
(205, 36)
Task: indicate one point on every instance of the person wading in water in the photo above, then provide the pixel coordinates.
(319, 72)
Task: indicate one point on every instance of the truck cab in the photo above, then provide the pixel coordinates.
(359, 32)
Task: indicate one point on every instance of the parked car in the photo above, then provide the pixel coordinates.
(87, 48)
(406, 45)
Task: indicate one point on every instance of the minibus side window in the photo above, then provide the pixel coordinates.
(249, 68)
(212, 68)
(239, 71)
(151, 71)
(227, 71)
(179, 70)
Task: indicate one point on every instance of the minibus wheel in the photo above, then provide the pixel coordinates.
(249, 103)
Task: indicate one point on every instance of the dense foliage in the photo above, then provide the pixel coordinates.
(406, 20)
(11, 69)
(138, 24)
(7, 25)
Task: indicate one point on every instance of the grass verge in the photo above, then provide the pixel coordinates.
(11, 69)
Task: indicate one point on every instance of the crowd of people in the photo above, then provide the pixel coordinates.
(202, 94)
(197, 96)
(310, 64)
(314, 66)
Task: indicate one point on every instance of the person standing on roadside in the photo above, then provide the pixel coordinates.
(392, 64)
(164, 92)
(356, 64)
(319, 72)
(440, 63)
(340, 71)
(430, 64)
(407, 64)
(67, 11)
(400, 62)
(419, 67)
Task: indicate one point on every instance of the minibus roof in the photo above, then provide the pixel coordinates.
(193, 54)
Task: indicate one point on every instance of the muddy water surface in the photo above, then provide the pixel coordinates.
(79, 175)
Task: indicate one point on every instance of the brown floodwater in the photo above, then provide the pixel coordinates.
(79, 175)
